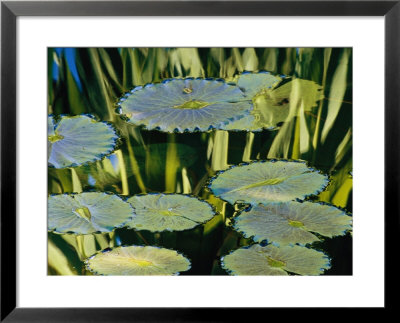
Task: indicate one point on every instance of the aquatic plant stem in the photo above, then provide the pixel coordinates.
(102, 240)
(249, 145)
(172, 164)
(124, 177)
(219, 159)
(296, 141)
(76, 183)
(135, 167)
(80, 247)
(141, 237)
(316, 138)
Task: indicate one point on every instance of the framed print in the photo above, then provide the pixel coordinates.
(234, 156)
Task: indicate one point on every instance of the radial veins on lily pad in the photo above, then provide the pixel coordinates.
(87, 212)
(268, 182)
(137, 260)
(178, 105)
(172, 212)
(271, 260)
(291, 222)
(76, 140)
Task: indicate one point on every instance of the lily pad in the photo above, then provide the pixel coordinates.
(268, 182)
(271, 260)
(76, 140)
(292, 222)
(87, 212)
(178, 105)
(137, 260)
(276, 105)
(50, 134)
(253, 84)
(169, 212)
(305, 91)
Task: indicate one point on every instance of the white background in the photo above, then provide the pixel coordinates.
(364, 288)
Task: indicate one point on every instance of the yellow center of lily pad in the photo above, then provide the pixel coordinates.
(270, 181)
(187, 90)
(193, 104)
(141, 263)
(83, 212)
(168, 213)
(275, 263)
(296, 224)
(55, 137)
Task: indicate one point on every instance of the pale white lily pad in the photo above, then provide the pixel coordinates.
(76, 140)
(178, 105)
(169, 212)
(137, 260)
(268, 182)
(87, 212)
(50, 134)
(272, 260)
(292, 222)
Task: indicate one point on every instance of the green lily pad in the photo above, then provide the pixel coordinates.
(87, 212)
(253, 84)
(178, 105)
(271, 260)
(169, 212)
(292, 222)
(137, 260)
(276, 105)
(268, 182)
(76, 140)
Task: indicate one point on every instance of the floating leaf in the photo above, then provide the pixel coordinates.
(137, 260)
(277, 105)
(77, 140)
(271, 260)
(291, 222)
(160, 212)
(50, 134)
(185, 105)
(253, 84)
(309, 91)
(267, 182)
(87, 212)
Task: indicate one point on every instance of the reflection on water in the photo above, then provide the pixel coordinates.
(310, 126)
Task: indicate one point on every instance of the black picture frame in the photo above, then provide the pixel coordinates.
(10, 10)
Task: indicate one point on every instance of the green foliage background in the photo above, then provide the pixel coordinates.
(90, 80)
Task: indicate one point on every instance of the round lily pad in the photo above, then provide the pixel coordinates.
(271, 260)
(169, 212)
(268, 182)
(76, 140)
(87, 212)
(178, 105)
(291, 222)
(137, 260)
